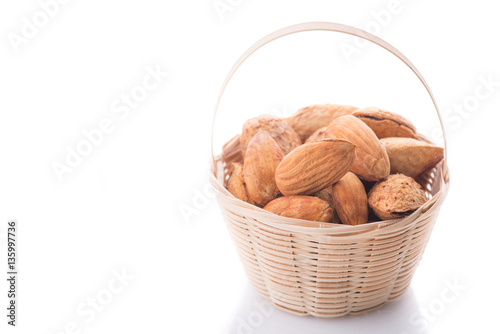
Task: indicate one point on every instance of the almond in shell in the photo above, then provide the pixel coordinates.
(386, 124)
(277, 128)
(350, 200)
(327, 196)
(314, 166)
(262, 158)
(396, 197)
(410, 156)
(317, 135)
(372, 162)
(309, 119)
(236, 184)
(301, 207)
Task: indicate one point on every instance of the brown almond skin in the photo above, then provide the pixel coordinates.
(314, 166)
(309, 119)
(301, 207)
(410, 156)
(236, 184)
(386, 124)
(396, 197)
(372, 162)
(276, 127)
(318, 135)
(262, 158)
(327, 196)
(350, 200)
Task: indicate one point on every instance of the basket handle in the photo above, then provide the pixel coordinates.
(327, 26)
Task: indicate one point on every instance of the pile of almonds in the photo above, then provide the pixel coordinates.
(332, 163)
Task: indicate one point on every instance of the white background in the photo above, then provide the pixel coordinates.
(120, 208)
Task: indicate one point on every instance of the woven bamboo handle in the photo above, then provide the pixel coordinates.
(327, 26)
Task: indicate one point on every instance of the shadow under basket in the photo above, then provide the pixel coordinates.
(322, 269)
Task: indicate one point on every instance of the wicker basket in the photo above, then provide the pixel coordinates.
(321, 269)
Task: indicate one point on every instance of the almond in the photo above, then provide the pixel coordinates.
(309, 119)
(262, 158)
(236, 183)
(318, 135)
(327, 196)
(314, 166)
(372, 162)
(301, 207)
(350, 200)
(410, 156)
(396, 197)
(386, 124)
(277, 128)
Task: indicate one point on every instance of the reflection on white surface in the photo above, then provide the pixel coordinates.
(257, 316)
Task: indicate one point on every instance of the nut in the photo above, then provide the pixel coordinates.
(317, 135)
(309, 119)
(301, 207)
(327, 196)
(262, 157)
(236, 184)
(350, 200)
(396, 197)
(277, 128)
(314, 166)
(386, 124)
(410, 156)
(372, 162)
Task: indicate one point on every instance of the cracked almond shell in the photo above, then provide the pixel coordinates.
(410, 156)
(396, 197)
(277, 128)
(386, 124)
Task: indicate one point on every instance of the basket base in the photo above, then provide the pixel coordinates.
(328, 310)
